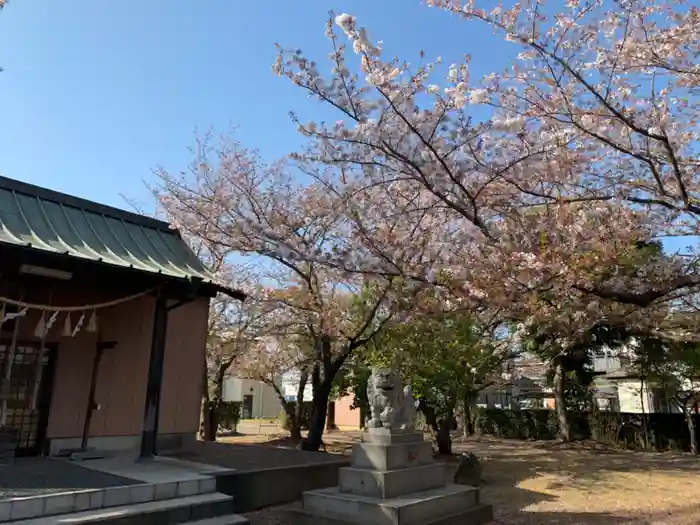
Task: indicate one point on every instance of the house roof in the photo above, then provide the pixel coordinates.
(625, 372)
(532, 367)
(53, 222)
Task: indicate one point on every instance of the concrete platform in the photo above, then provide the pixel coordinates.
(418, 508)
(178, 510)
(231, 519)
(257, 489)
(63, 486)
(159, 469)
(479, 515)
(35, 477)
(262, 476)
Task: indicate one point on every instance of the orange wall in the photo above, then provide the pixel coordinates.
(183, 373)
(121, 380)
(122, 376)
(344, 415)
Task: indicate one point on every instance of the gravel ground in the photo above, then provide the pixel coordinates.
(37, 476)
(584, 484)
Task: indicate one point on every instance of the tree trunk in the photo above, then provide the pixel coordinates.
(444, 437)
(205, 423)
(688, 414)
(564, 430)
(330, 419)
(317, 422)
(212, 403)
(691, 431)
(645, 422)
(467, 415)
(322, 376)
(291, 410)
(440, 430)
(210, 420)
(299, 413)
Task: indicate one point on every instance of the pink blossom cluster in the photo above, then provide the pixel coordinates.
(591, 148)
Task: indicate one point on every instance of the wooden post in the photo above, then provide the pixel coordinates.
(155, 378)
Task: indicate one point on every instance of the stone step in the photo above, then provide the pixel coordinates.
(178, 510)
(392, 483)
(98, 499)
(479, 515)
(230, 519)
(419, 508)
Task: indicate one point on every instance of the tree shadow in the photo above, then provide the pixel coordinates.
(520, 476)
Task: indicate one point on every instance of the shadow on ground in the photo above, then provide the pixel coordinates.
(688, 516)
(546, 483)
(582, 465)
(543, 483)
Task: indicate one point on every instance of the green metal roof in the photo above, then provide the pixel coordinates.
(54, 222)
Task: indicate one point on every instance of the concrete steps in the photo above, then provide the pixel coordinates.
(75, 501)
(231, 519)
(202, 509)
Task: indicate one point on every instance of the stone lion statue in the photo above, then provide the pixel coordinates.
(391, 406)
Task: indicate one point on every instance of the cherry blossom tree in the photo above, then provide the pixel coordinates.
(556, 185)
(270, 359)
(233, 331)
(618, 83)
(234, 202)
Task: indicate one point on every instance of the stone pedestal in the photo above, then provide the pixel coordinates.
(394, 480)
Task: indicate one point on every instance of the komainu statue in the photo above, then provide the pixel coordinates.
(391, 406)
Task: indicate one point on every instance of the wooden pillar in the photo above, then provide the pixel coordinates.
(155, 378)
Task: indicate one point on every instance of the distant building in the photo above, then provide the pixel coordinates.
(524, 386)
(258, 400)
(617, 387)
(290, 386)
(344, 416)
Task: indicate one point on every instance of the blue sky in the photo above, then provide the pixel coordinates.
(97, 93)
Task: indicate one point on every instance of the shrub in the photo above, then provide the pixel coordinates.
(283, 420)
(616, 429)
(229, 414)
(305, 415)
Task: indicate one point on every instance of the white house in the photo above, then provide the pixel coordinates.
(258, 400)
(290, 386)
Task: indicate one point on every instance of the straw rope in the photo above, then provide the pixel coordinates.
(48, 308)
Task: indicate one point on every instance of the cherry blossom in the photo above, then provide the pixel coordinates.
(549, 194)
(315, 315)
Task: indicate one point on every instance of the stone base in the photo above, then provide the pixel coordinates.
(391, 483)
(392, 457)
(479, 515)
(383, 436)
(447, 505)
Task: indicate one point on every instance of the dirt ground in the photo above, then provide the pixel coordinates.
(537, 483)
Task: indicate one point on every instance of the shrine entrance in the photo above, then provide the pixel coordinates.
(27, 417)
